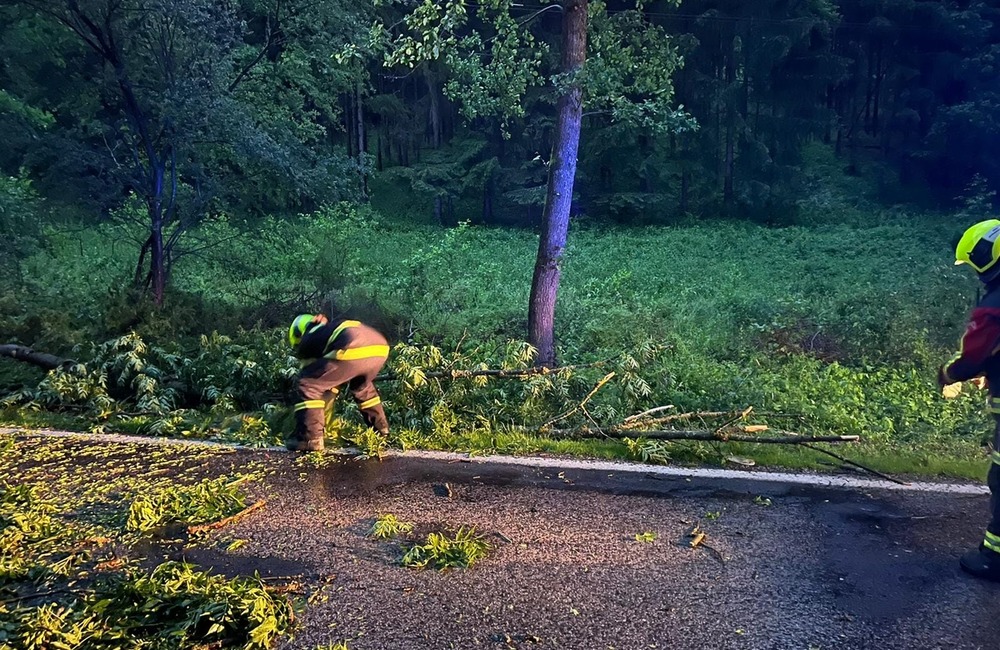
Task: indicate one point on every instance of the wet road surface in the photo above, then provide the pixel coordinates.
(817, 568)
(783, 566)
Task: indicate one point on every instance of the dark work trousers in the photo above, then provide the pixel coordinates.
(992, 540)
(324, 377)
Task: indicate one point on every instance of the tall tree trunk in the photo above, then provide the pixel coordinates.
(685, 190)
(157, 260)
(349, 124)
(359, 115)
(434, 110)
(559, 193)
(868, 90)
(877, 92)
(730, 155)
(488, 200)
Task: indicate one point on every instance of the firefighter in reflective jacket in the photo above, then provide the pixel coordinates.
(335, 353)
(979, 357)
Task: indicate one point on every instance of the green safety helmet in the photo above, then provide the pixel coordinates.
(298, 328)
(979, 247)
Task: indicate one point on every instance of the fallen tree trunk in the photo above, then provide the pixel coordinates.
(786, 438)
(41, 359)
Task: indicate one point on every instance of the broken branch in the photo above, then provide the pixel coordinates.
(785, 438)
(640, 419)
(855, 464)
(639, 416)
(215, 525)
(608, 377)
(501, 373)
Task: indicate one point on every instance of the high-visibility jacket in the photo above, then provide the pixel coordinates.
(979, 350)
(341, 340)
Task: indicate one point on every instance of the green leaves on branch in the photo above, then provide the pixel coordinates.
(629, 71)
(175, 606)
(207, 501)
(443, 551)
(496, 60)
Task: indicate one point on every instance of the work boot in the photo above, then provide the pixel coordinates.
(304, 444)
(982, 563)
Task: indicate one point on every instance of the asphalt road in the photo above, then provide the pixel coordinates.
(784, 565)
(817, 568)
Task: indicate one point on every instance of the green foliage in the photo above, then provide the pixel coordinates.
(443, 551)
(33, 540)
(175, 606)
(207, 501)
(496, 61)
(32, 116)
(645, 537)
(843, 336)
(629, 71)
(176, 600)
(68, 577)
(388, 526)
(20, 213)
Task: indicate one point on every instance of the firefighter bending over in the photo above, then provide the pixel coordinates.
(335, 353)
(979, 356)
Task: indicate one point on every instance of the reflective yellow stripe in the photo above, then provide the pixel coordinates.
(992, 542)
(944, 369)
(367, 404)
(347, 324)
(366, 352)
(310, 404)
(995, 457)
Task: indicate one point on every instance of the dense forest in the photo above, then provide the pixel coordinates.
(253, 108)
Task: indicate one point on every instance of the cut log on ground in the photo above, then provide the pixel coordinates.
(41, 359)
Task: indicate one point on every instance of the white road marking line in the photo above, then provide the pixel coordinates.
(621, 467)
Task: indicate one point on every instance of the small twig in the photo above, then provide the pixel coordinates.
(715, 551)
(651, 411)
(41, 594)
(215, 525)
(461, 340)
(855, 464)
(738, 416)
(608, 377)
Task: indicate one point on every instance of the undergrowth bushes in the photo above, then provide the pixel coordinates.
(239, 389)
(841, 324)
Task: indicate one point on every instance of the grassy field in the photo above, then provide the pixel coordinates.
(837, 323)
